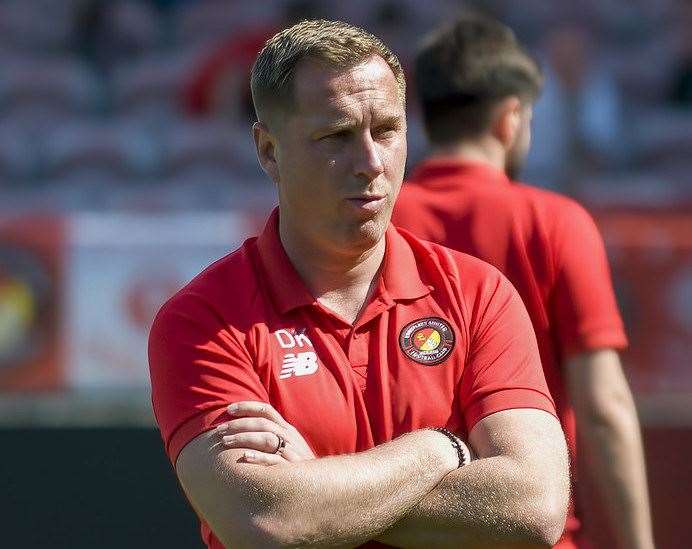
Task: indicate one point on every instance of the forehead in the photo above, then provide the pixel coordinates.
(321, 90)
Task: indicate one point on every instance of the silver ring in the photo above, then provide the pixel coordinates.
(281, 445)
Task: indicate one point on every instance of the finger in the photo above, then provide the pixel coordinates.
(262, 442)
(249, 425)
(290, 455)
(261, 458)
(256, 409)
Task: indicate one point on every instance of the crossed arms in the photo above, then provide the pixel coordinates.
(406, 493)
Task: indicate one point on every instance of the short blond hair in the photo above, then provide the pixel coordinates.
(339, 44)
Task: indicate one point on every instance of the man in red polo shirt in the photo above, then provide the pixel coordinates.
(477, 85)
(297, 382)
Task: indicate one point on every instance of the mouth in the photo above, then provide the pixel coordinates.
(368, 202)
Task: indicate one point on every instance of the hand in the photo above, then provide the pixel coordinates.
(257, 428)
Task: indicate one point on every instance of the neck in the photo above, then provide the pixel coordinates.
(482, 151)
(340, 279)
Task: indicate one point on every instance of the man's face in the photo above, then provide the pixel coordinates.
(340, 153)
(516, 156)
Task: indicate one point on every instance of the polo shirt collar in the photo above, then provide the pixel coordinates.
(400, 278)
(439, 168)
(400, 275)
(287, 289)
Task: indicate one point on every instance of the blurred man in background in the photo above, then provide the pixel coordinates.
(477, 86)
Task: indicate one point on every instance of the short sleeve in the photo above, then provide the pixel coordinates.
(583, 301)
(197, 367)
(503, 370)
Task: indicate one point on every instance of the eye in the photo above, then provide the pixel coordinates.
(341, 134)
(385, 132)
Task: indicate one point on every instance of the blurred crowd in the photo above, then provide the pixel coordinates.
(144, 104)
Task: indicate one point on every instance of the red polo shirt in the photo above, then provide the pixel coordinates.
(444, 341)
(546, 244)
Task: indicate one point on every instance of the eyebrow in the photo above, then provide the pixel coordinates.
(389, 119)
(343, 122)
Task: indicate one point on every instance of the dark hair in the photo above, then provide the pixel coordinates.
(463, 70)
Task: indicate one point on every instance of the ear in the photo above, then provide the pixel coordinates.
(507, 121)
(265, 145)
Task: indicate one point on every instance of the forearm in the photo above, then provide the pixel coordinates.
(515, 495)
(612, 447)
(610, 442)
(493, 502)
(339, 501)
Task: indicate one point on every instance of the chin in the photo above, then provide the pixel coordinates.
(367, 234)
(514, 165)
(513, 171)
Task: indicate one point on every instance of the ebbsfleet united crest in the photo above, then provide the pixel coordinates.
(427, 341)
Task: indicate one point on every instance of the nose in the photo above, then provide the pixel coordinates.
(368, 158)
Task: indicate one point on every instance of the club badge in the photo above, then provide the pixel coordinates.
(427, 341)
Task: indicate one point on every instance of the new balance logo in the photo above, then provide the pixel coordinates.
(298, 364)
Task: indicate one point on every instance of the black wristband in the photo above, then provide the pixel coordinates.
(462, 450)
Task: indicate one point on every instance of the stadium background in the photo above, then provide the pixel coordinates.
(126, 166)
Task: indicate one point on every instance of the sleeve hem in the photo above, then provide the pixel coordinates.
(508, 399)
(592, 341)
(192, 428)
